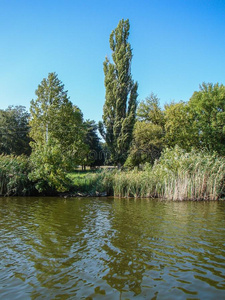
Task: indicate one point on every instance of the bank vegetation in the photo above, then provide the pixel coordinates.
(174, 152)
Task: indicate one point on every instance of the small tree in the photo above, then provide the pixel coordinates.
(58, 133)
(148, 134)
(149, 111)
(119, 110)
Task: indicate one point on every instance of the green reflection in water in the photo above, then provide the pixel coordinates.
(53, 248)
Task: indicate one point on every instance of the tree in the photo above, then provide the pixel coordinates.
(14, 131)
(147, 143)
(95, 155)
(208, 109)
(119, 110)
(180, 126)
(148, 135)
(149, 111)
(58, 134)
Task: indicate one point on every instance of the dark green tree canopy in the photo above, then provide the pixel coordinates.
(119, 110)
(208, 110)
(95, 155)
(14, 131)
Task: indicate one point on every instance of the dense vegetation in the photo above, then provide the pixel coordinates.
(121, 95)
(177, 175)
(174, 152)
(14, 172)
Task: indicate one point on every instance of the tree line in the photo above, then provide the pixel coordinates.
(57, 139)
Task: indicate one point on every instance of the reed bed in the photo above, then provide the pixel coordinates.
(177, 175)
(14, 176)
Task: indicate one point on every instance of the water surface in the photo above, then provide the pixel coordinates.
(54, 248)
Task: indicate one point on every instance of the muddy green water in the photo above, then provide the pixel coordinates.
(54, 248)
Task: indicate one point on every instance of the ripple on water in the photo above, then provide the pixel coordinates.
(98, 249)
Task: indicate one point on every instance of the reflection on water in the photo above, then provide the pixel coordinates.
(53, 248)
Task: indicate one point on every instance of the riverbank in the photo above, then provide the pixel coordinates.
(177, 175)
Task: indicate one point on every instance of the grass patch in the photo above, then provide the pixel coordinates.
(84, 181)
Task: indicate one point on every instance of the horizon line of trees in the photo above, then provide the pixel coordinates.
(198, 123)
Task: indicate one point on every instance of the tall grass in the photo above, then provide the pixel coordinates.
(14, 176)
(91, 182)
(83, 181)
(177, 175)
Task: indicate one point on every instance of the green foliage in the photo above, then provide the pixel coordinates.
(147, 143)
(58, 133)
(208, 109)
(84, 181)
(121, 95)
(198, 123)
(148, 134)
(14, 176)
(49, 168)
(95, 155)
(149, 111)
(180, 126)
(177, 175)
(93, 181)
(14, 131)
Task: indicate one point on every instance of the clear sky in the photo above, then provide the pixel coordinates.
(177, 44)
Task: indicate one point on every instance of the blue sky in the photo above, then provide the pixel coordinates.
(176, 46)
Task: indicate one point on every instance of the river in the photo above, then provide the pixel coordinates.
(90, 248)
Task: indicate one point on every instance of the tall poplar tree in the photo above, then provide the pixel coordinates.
(119, 110)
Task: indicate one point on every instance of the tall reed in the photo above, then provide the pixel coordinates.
(14, 176)
(177, 175)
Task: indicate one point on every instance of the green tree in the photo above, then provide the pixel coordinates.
(95, 156)
(180, 126)
(208, 109)
(147, 143)
(119, 110)
(14, 131)
(148, 135)
(58, 134)
(149, 111)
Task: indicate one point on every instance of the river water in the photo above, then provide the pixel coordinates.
(55, 248)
